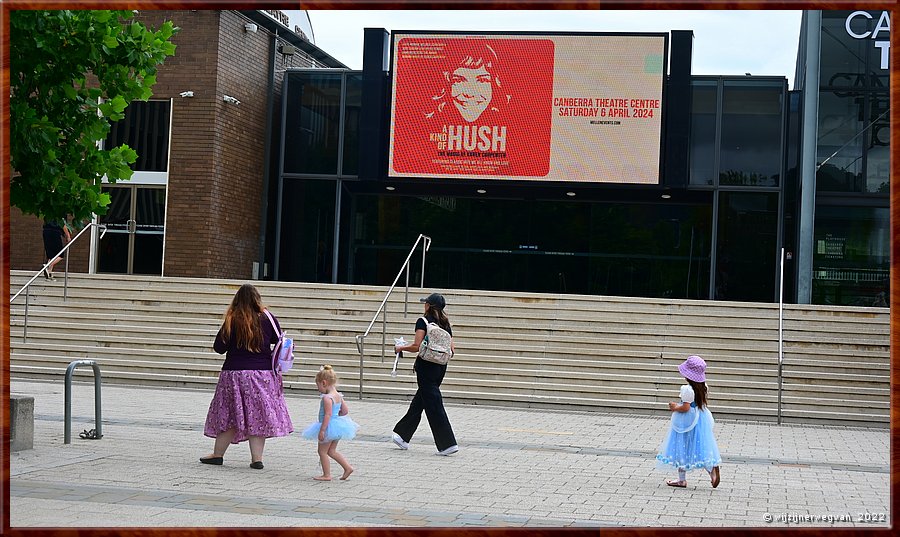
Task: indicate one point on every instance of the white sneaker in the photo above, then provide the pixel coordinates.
(449, 451)
(399, 441)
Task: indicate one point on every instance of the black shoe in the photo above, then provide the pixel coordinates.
(212, 460)
(46, 274)
(258, 465)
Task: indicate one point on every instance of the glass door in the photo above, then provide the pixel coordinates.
(135, 227)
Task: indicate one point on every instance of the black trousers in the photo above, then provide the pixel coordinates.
(429, 376)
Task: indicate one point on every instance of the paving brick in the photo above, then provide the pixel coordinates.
(98, 484)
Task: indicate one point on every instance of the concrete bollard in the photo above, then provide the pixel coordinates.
(21, 422)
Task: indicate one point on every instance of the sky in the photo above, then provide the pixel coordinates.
(725, 42)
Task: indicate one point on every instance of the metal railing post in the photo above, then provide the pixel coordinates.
(98, 425)
(406, 295)
(383, 330)
(25, 328)
(425, 245)
(359, 346)
(780, 333)
(382, 308)
(66, 281)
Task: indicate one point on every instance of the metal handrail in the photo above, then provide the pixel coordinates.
(780, 331)
(27, 287)
(382, 309)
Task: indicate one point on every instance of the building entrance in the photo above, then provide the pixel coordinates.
(135, 223)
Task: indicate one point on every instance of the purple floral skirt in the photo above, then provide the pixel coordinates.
(251, 403)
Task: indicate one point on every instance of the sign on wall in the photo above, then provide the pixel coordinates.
(575, 108)
(881, 42)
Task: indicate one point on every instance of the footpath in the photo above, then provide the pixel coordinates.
(516, 468)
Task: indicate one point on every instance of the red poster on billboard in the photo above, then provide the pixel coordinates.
(472, 106)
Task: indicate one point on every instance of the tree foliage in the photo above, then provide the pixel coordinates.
(71, 74)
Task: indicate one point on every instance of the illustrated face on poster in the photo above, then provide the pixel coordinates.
(547, 108)
(463, 106)
(471, 91)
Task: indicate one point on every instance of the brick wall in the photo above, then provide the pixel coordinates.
(191, 163)
(216, 167)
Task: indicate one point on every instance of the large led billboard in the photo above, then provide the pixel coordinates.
(541, 107)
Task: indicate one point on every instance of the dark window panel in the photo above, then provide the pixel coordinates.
(145, 128)
(353, 105)
(839, 155)
(843, 58)
(746, 243)
(752, 120)
(703, 132)
(878, 149)
(652, 250)
(312, 120)
(851, 256)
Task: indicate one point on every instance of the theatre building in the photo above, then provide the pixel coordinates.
(583, 163)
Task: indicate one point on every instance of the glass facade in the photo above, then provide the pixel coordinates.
(854, 107)
(528, 239)
(641, 249)
(851, 256)
(704, 112)
(851, 237)
(738, 146)
(746, 246)
(719, 237)
(307, 231)
(321, 123)
(751, 140)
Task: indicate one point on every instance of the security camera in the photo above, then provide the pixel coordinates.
(230, 99)
(187, 94)
(250, 27)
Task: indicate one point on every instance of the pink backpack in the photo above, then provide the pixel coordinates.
(283, 354)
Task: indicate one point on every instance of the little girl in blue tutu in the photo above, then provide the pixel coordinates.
(690, 443)
(333, 425)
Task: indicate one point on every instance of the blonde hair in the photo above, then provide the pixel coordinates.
(326, 373)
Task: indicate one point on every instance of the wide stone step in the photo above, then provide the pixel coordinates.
(517, 349)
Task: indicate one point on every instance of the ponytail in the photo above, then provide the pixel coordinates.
(439, 317)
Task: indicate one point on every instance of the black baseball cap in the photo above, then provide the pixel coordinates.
(435, 299)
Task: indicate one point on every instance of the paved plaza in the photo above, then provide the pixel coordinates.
(515, 467)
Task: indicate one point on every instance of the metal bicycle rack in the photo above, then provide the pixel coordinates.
(69, 371)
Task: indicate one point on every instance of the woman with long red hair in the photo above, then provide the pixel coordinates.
(248, 403)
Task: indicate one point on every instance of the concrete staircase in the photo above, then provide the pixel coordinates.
(609, 354)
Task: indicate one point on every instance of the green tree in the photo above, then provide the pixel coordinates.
(71, 74)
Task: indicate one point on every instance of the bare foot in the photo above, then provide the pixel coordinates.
(347, 474)
(322, 478)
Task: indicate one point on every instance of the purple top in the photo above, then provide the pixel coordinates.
(237, 359)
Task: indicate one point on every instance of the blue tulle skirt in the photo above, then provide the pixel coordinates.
(339, 428)
(690, 443)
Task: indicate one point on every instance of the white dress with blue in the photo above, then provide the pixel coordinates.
(690, 443)
(339, 428)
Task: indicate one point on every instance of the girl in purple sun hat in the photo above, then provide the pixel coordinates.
(690, 443)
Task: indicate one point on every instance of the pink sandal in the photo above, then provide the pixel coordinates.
(677, 484)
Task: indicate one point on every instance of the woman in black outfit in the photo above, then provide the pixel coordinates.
(53, 233)
(428, 377)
